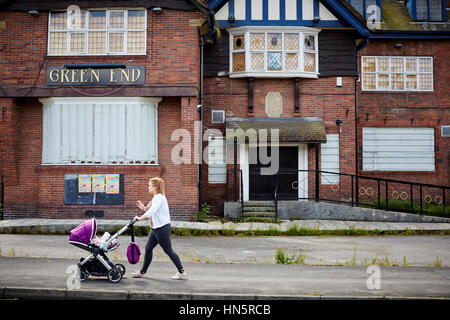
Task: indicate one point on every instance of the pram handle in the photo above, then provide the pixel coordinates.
(118, 233)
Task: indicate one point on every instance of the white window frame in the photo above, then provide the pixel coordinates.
(107, 31)
(220, 179)
(442, 131)
(390, 73)
(301, 31)
(222, 112)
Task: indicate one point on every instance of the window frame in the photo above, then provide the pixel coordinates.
(211, 163)
(95, 160)
(371, 134)
(107, 30)
(428, 13)
(248, 72)
(333, 140)
(389, 72)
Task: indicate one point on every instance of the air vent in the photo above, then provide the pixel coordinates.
(445, 131)
(218, 116)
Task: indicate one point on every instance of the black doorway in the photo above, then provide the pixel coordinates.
(262, 187)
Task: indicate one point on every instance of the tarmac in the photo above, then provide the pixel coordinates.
(47, 277)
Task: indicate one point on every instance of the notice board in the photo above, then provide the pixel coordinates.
(92, 189)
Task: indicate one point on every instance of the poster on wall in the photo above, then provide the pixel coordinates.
(84, 183)
(98, 183)
(112, 183)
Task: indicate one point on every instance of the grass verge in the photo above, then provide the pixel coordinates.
(294, 230)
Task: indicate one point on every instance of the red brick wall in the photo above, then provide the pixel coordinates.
(318, 98)
(412, 109)
(35, 190)
(172, 49)
(39, 190)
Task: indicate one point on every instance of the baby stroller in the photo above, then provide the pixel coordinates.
(97, 263)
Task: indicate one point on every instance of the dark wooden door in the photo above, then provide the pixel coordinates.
(262, 187)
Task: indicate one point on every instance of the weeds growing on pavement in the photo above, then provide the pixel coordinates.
(437, 262)
(297, 257)
(352, 261)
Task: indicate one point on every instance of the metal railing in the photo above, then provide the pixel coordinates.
(235, 183)
(380, 193)
(275, 198)
(365, 191)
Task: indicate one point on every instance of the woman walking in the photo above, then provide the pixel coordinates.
(158, 213)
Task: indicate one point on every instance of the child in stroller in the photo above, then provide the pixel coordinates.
(97, 263)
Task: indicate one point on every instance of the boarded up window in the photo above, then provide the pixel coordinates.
(398, 149)
(217, 167)
(330, 159)
(99, 131)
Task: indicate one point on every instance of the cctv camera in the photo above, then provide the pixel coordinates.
(199, 107)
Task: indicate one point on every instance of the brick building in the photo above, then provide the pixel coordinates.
(96, 99)
(90, 96)
(276, 61)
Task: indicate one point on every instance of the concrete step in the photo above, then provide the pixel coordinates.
(259, 214)
(259, 204)
(259, 209)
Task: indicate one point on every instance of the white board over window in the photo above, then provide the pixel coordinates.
(398, 149)
(330, 159)
(100, 130)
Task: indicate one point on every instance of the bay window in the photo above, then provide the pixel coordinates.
(274, 52)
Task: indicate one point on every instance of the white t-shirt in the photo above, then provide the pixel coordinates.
(159, 211)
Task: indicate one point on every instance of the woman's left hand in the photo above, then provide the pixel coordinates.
(140, 205)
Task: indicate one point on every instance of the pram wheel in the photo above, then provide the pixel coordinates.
(82, 275)
(115, 274)
(121, 268)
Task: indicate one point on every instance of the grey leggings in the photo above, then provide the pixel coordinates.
(160, 236)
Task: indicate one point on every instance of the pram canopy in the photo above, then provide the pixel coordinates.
(84, 232)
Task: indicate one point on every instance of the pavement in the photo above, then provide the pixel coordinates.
(65, 225)
(224, 268)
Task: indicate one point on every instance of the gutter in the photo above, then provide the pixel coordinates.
(360, 47)
(212, 31)
(413, 35)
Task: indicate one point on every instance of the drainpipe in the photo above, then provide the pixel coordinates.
(212, 30)
(2, 199)
(358, 49)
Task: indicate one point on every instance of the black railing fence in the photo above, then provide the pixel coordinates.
(363, 191)
(234, 185)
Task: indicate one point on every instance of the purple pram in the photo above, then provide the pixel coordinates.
(97, 263)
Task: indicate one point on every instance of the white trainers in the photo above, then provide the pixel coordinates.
(137, 274)
(180, 275)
